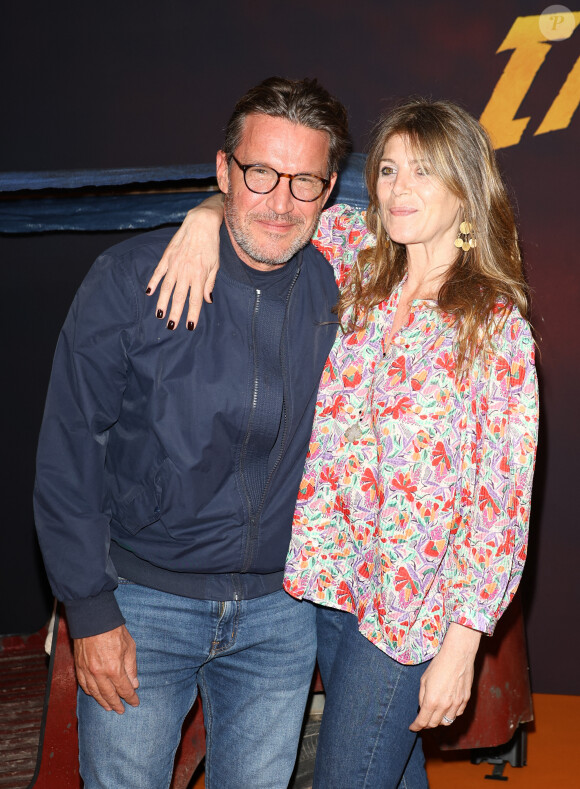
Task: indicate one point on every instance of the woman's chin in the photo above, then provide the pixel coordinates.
(402, 238)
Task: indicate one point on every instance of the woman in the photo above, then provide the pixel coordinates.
(411, 523)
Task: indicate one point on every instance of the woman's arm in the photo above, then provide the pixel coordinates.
(340, 235)
(484, 567)
(446, 683)
(190, 263)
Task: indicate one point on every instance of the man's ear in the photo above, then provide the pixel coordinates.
(330, 187)
(221, 169)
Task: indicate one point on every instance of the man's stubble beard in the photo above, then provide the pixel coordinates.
(241, 231)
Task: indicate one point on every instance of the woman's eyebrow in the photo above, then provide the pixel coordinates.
(411, 161)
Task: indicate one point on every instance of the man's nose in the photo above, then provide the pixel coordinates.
(281, 199)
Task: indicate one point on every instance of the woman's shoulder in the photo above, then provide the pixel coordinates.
(344, 226)
(341, 234)
(507, 344)
(509, 325)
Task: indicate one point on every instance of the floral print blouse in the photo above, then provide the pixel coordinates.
(413, 510)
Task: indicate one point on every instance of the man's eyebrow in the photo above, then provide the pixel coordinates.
(262, 163)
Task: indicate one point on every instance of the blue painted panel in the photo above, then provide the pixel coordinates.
(71, 207)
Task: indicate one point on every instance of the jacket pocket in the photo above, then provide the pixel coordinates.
(142, 506)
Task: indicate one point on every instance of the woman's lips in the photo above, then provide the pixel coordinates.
(402, 211)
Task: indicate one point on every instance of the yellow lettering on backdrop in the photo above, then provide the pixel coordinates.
(529, 39)
(564, 105)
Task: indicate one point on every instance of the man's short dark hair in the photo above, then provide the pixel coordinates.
(302, 101)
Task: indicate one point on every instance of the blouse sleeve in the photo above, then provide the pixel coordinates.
(486, 563)
(340, 235)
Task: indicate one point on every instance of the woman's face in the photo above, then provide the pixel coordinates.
(415, 206)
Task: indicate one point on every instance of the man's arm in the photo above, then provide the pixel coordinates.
(106, 667)
(83, 402)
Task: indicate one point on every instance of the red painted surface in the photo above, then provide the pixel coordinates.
(58, 736)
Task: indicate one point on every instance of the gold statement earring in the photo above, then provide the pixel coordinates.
(465, 239)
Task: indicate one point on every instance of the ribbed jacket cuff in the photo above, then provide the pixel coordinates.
(93, 615)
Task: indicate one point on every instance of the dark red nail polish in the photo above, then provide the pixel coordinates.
(190, 325)
(148, 291)
(171, 325)
(211, 297)
(159, 313)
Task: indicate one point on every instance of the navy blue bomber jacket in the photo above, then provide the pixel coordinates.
(140, 467)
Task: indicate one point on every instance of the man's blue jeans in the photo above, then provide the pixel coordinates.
(252, 661)
(371, 700)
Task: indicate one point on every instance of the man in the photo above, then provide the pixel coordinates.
(169, 463)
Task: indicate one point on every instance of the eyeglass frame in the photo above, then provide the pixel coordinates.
(245, 167)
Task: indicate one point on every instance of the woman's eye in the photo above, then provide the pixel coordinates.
(387, 170)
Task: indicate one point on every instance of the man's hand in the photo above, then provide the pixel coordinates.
(446, 683)
(190, 264)
(106, 667)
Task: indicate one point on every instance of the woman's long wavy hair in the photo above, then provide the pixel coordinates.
(459, 153)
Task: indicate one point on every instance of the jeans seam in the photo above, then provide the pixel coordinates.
(385, 713)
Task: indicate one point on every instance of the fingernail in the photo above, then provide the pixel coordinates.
(171, 325)
(159, 313)
(190, 325)
(148, 291)
(211, 297)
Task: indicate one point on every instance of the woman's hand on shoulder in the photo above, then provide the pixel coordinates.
(446, 683)
(189, 264)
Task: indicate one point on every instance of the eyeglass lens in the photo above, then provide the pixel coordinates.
(263, 179)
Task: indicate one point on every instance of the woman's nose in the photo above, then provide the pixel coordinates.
(402, 183)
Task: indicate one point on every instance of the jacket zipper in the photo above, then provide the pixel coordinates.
(252, 516)
(255, 518)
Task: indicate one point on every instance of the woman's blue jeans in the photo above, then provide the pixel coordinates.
(252, 661)
(371, 700)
